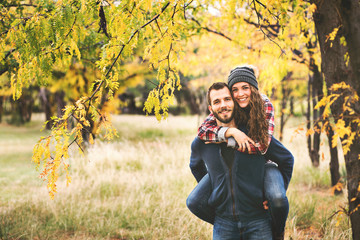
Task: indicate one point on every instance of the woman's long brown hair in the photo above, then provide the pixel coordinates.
(255, 119)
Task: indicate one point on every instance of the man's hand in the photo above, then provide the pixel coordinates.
(241, 138)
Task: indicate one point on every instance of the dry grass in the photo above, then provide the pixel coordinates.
(136, 187)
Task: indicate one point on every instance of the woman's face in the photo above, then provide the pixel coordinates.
(241, 92)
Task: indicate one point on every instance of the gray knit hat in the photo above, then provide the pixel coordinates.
(242, 74)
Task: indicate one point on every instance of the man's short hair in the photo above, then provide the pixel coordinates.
(215, 86)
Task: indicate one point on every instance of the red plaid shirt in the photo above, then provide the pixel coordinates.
(208, 131)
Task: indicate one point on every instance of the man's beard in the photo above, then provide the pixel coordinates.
(216, 115)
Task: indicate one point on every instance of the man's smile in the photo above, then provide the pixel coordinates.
(225, 111)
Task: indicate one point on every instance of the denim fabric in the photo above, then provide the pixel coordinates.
(197, 201)
(283, 158)
(226, 229)
(276, 195)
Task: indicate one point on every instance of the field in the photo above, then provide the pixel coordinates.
(135, 187)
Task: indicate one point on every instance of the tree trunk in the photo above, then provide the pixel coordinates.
(1, 107)
(21, 109)
(334, 162)
(313, 141)
(317, 94)
(60, 102)
(308, 117)
(292, 112)
(187, 97)
(44, 95)
(285, 96)
(26, 103)
(350, 13)
(344, 15)
(282, 112)
(16, 116)
(353, 180)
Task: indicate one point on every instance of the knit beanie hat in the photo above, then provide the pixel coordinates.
(242, 74)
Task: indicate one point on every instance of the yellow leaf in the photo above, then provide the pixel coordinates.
(312, 8)
(332, 35)
(310, 132)
(91, 139)
(337, 223)
(337, 86)
(334, 141)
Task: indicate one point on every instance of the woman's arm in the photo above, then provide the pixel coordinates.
(209, 131)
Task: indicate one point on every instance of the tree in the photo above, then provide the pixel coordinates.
(339, 38)
(42, 38)
(38, 39)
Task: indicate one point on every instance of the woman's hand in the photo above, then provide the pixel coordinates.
(241, 138)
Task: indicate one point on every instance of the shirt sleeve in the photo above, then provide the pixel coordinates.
(209, 131)
(197, 164)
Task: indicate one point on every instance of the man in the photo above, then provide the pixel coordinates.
(257, 114)
(237, 178)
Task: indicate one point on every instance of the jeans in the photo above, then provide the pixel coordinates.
(274, 191)
(225, 229)
(197, 201)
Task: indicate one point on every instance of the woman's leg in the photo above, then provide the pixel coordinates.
(197, 201)
(275, 193)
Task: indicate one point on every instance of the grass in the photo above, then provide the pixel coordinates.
(135, 188)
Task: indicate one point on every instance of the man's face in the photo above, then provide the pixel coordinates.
(222, 105)
(241, 92)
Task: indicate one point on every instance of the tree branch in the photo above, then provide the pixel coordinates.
(185, 6)
(264, 6)
(122, 49)
(24, 19)
(210, 30)
(102, 23)
(273, 29)
(21, 5)
(266, 35)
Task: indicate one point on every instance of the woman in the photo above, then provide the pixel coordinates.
(257, 114)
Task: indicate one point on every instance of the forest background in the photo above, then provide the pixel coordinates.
(83, 66)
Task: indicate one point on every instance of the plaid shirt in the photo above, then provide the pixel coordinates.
(209, 131)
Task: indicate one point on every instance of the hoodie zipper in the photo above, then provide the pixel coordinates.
(232, 194)
(231, 185)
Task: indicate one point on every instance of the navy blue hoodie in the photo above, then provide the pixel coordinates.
(238, 190)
